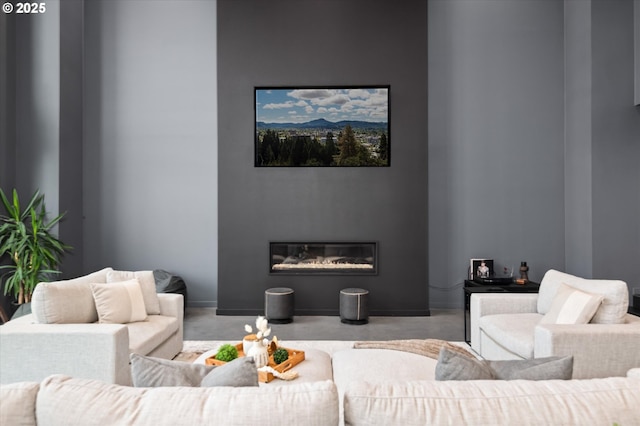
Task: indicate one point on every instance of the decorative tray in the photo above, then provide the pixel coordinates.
(295, 358)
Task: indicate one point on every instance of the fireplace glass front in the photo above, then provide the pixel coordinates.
(323, 258)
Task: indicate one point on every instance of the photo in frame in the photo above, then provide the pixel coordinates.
(332, 126)
(480, 268)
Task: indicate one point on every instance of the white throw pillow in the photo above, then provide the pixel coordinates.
(613, 309)
(147, 285)
(119, 303)
(572, 306)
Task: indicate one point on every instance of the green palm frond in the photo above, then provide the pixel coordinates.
(26, 238)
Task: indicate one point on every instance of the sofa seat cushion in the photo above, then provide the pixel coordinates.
(380, 365)
(145, 336)
(91, 402)
(514, 332)
(608, 401)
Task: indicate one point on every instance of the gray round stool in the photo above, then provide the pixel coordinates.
(278, 305)
(354, 306)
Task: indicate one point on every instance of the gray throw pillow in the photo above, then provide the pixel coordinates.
(454, 366)
(239, 372)
(153, 372)
(549, 368)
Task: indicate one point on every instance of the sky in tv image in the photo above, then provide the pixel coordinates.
(300, 105)
(322, 126)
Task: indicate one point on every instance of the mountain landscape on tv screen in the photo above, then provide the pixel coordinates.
(321, 123)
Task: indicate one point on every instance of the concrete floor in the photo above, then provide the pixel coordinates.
(445, 324)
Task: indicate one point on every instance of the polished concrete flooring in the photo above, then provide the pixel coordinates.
(445, 324)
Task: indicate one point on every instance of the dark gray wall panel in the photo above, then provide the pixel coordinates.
(323, 43)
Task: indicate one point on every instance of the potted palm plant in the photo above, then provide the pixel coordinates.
(32, 251)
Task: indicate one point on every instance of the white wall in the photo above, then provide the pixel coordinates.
(150, 139)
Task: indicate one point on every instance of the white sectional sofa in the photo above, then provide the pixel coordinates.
(63, 334)
(369, 387)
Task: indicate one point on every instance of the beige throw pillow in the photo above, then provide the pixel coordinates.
(119, 302)
(572, 306)
(147, 285)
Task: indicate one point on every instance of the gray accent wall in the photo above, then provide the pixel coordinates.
(534, 142)
(150, 142)
(496, 132)
(636, 23)
(578, 181)
(615, 128)
(602, 184)
(356, 42)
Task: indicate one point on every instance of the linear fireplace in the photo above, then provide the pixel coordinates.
(360, 258)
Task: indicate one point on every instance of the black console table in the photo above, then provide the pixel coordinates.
(471, 287)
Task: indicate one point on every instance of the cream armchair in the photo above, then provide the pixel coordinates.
(508, 326)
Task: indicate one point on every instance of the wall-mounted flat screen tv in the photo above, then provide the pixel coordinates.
(322, 126)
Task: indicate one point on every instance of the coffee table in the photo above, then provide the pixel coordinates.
(315, 367)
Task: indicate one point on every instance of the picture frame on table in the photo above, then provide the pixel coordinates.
(480, 268)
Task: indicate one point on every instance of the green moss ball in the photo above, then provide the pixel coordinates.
(227, 353)
(280, 355)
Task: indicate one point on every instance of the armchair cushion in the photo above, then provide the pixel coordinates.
(67, 301)
(572, 306)
(515, 332)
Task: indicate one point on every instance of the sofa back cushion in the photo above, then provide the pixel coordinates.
(614, 400)
(147, 285)
(615, 295)
(18, 403)
(85, 402)
(67, 301)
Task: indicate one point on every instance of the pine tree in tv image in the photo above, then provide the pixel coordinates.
(322, 127)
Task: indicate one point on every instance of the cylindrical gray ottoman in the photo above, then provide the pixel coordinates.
(354, 306)
(278, 305)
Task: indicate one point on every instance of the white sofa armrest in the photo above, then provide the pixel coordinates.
(599, 350)
(171, 305)
(497, 303)
(31, 352)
